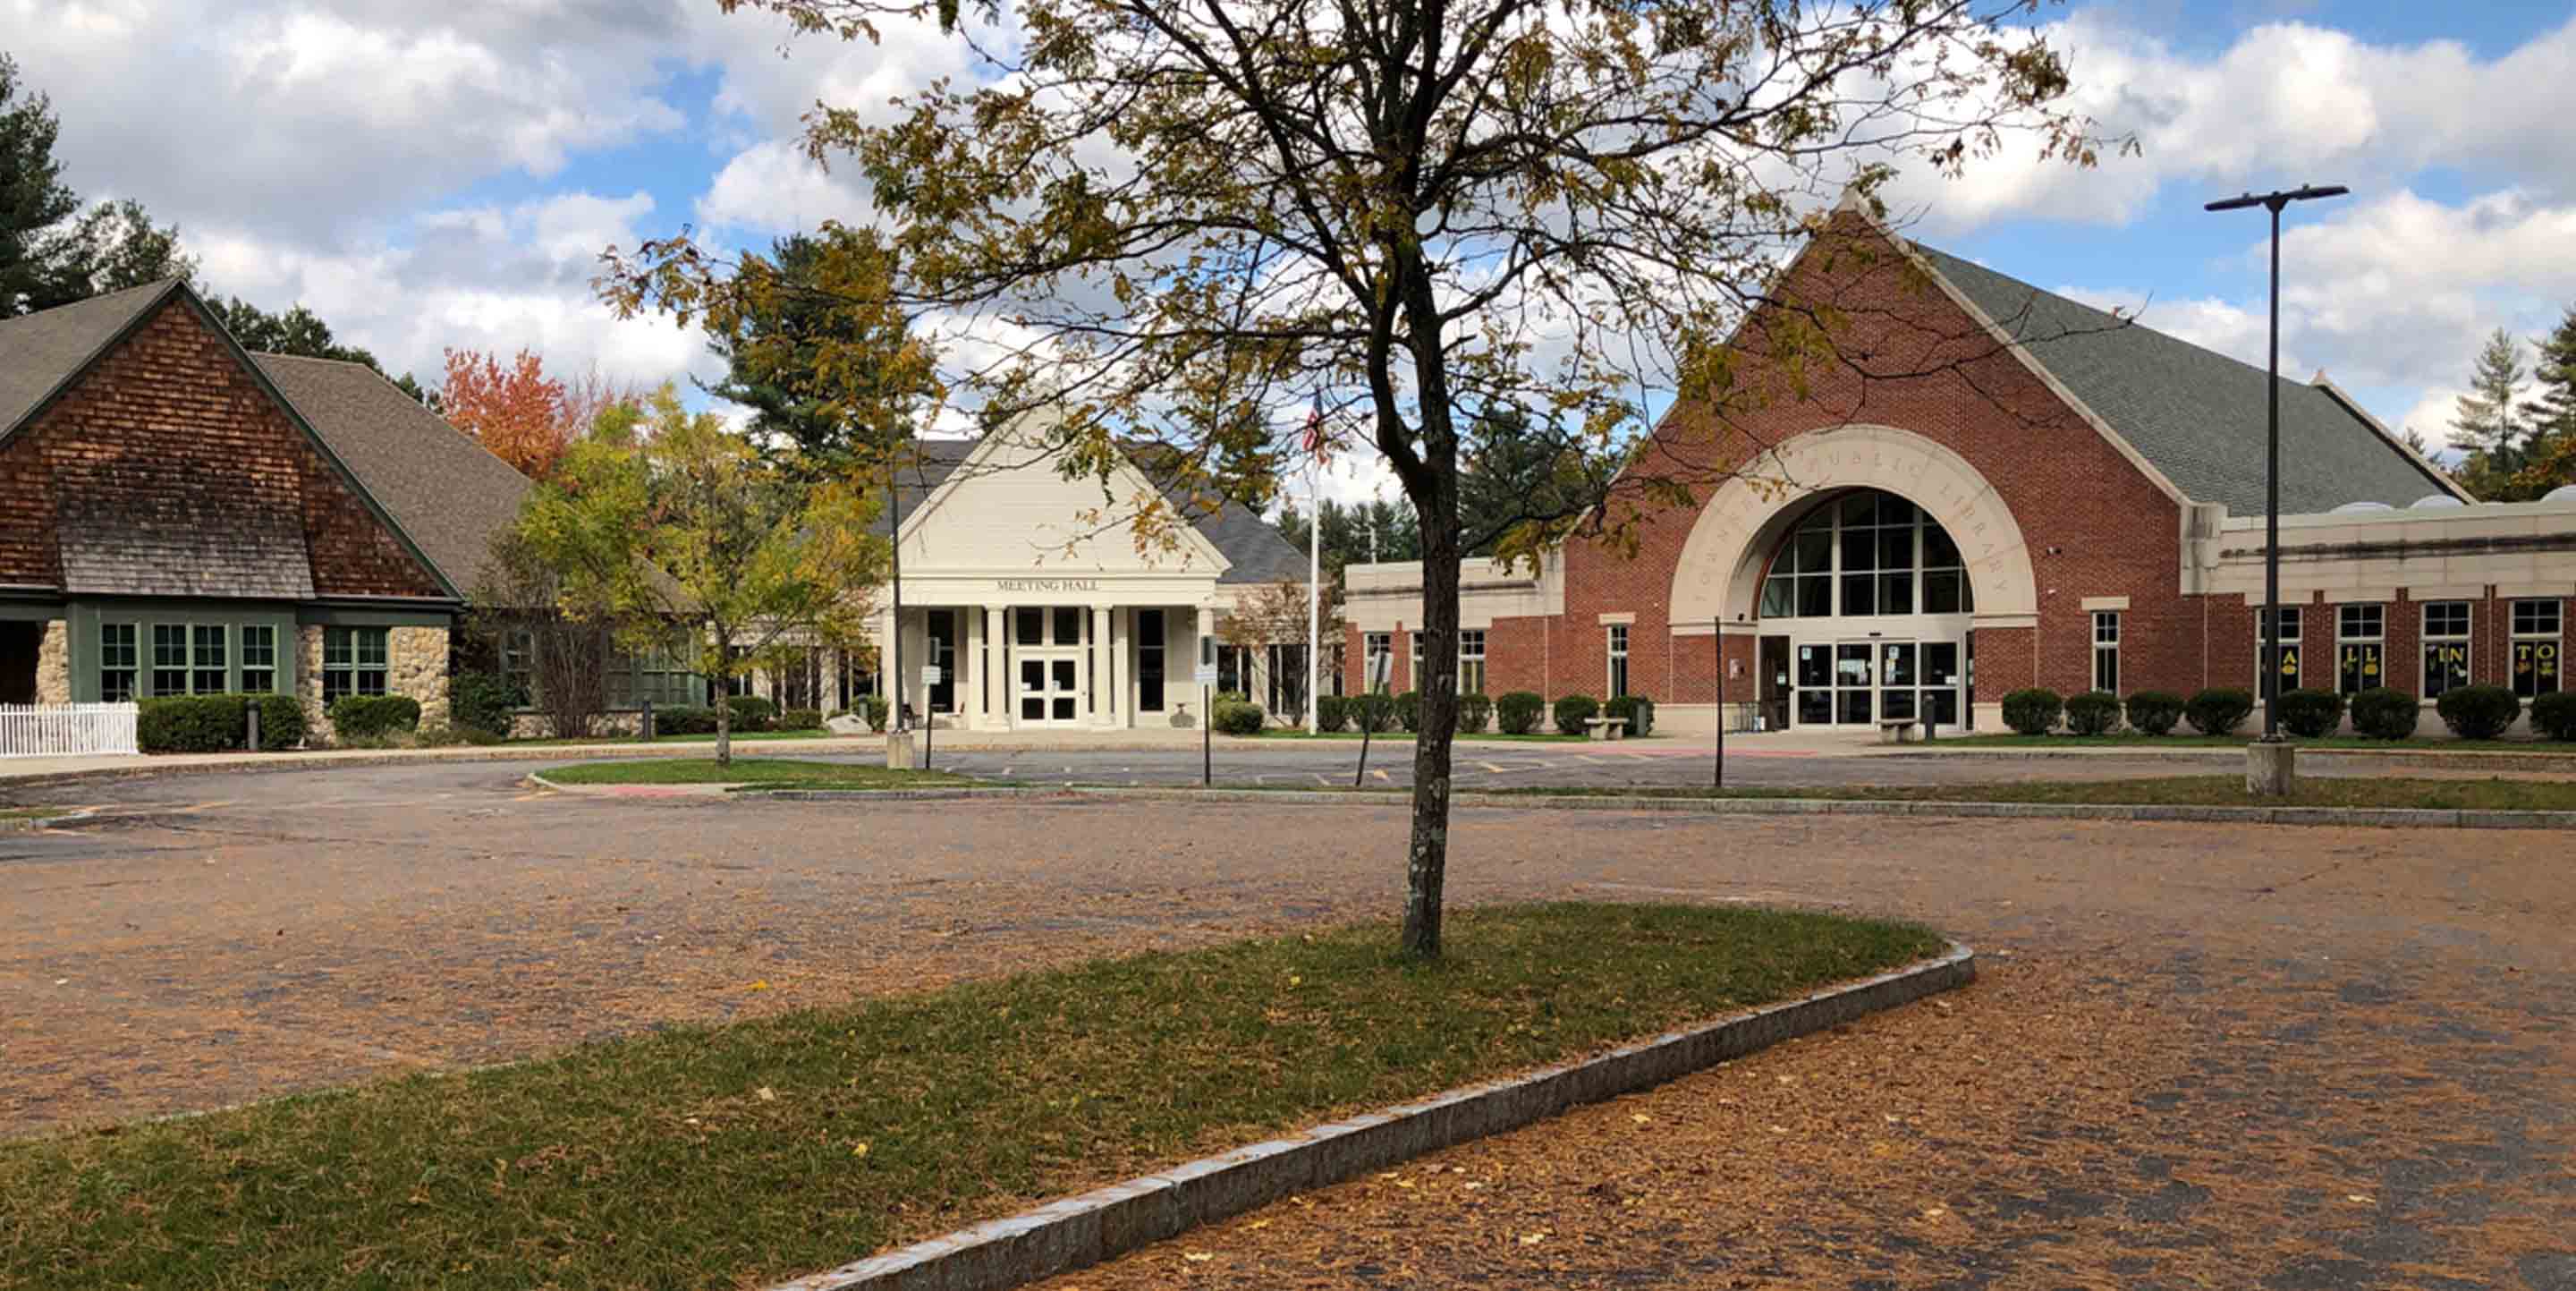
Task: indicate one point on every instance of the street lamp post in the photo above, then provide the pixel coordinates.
(2273, 202)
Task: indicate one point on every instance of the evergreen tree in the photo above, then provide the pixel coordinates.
(796, 306)
(48, 257)
(2553, 412)
(33, 197)
(2491, 423)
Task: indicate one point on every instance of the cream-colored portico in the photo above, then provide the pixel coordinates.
(1031, 594)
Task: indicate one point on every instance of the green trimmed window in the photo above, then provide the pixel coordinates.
(207, 670)
(117, 662)
(355, 661)
(169, 658)
(258, 659)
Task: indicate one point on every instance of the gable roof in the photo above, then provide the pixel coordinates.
(1253, 549)
(447, 492)
(41, 352)
(2194, 414)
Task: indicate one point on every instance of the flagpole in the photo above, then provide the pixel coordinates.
(1314, 587)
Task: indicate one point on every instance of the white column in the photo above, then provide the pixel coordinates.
(970, 668)
(997, 629)
(1097, 663)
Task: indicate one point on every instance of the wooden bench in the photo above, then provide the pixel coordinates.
(1899, 730)
(1605, 728)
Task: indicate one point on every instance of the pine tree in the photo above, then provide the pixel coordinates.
(2492, 423)
(33, 197)
(2553, 411)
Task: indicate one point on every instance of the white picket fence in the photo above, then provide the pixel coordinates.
(66, 730)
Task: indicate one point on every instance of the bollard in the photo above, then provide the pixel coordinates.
(250, 709)
(644, 724)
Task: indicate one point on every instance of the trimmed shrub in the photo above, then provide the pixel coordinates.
(2033, 710)
(1639, 710)
(2218, 710)
(752, 713)
(2309, 713)
(2554, 715)
(1374, 711)
(1332, 713)
(2478, 712)
(2094, 712)
(1572, 711)
(2385, 713)
(800, 719)
(1518, 711)
(880, 711)
(367, 717)
(281, 722)
(2154, 712)
(190, 723)
(479, 703)
(1474, 711)
(1239, 717)
(684, 719)
(1408, 711)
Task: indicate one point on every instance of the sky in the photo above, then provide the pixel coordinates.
(434, 175)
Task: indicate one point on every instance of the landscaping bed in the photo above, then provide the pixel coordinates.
(2150, 743)
(767, 773)
(2491, 794)
(762, 1150)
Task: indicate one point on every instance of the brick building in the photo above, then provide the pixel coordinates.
(2003, 488)
(178, 515)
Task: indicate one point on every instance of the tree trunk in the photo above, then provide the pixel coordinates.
(1426, 867)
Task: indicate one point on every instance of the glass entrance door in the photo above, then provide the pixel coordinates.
(1048, 656)
(1852, 683)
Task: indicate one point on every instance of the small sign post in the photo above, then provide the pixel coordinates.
(929, 678)
(1373, 682)
(1717, 631)
(1207, 712)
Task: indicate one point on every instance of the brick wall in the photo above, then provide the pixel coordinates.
(171, 414)
(2096, 525)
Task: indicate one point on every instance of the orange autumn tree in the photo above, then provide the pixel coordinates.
(524, 416)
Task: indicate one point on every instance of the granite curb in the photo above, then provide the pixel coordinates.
(2377, 817)
(1077, 1232)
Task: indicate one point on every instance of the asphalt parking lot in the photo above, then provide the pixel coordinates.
(2199, 1055)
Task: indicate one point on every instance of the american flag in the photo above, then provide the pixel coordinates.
(1318, 444)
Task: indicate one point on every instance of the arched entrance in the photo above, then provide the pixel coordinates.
(1732, 555)
(1865, 616)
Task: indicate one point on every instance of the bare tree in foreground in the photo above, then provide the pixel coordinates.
(1184, 219)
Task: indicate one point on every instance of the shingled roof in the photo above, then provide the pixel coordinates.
(41, 351)
(447, 492)
(1253, 549)
(2196, 414)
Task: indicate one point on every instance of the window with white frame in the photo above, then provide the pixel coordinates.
(1471, 661)
(2274, 675)
(2537, 646)
(1376, 648)
(1413, 679)
(1618, 660)
(2361, 651)
(118, 663)
(2106, 651)
(2446, 646)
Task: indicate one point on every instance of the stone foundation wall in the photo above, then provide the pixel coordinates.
(417, 659)
(308, 682)
(54, 664)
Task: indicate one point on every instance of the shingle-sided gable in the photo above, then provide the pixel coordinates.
(169, 466)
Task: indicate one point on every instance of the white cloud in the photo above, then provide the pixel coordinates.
(2346, 110)
(484, 278)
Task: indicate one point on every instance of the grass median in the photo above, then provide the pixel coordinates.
(2189, 741)
(2490, 794)
(762, 1150)
(765, 772)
